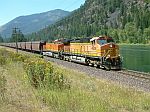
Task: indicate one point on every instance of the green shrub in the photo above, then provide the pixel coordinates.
(3, 60)
(7, 56)
(3, 57)
(42, 74)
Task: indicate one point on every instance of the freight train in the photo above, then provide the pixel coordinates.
(99, 51)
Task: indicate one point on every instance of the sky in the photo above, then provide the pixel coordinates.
(10, 9)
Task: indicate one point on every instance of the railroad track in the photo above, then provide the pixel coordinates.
(135, 74)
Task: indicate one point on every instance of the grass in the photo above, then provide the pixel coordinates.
(85, 94)
(19, 95)
(91, 94)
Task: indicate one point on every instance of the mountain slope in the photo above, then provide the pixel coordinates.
(126, 20)
(33, 23)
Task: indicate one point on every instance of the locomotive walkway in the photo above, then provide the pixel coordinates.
(128, 81)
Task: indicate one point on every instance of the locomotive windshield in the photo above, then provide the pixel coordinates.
(102, 41)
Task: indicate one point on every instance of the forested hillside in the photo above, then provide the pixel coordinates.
(128, 21)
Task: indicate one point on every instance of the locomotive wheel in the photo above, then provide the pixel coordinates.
(97, 66)
(87, 62)
(107, 68)
(69, 60)
(61, 58)
(92, 65)
(108, 65)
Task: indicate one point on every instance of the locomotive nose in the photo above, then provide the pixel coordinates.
(110, 45)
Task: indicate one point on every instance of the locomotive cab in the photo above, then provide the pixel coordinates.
(107, 51)
(105, 46)
(105, 40)
(101, 41)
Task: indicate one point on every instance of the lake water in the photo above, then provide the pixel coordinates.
(136, 57)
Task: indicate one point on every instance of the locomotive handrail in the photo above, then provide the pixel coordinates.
(106, 53)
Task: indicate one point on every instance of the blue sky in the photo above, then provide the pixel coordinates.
(10, 9)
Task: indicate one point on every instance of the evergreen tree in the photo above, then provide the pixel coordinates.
(147, 35)
(17, 36)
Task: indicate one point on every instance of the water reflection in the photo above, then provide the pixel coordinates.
(136, 57)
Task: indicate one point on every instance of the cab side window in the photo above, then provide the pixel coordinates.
(101, 42)
(93, 42)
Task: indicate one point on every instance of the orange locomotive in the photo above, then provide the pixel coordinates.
(99, 51)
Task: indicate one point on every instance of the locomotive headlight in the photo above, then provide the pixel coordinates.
(111, 45)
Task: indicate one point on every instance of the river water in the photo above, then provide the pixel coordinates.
(136, 57)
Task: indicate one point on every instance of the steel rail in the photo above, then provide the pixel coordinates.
(137, 74)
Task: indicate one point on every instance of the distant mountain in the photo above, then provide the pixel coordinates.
(127, 21)
(33, 23)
